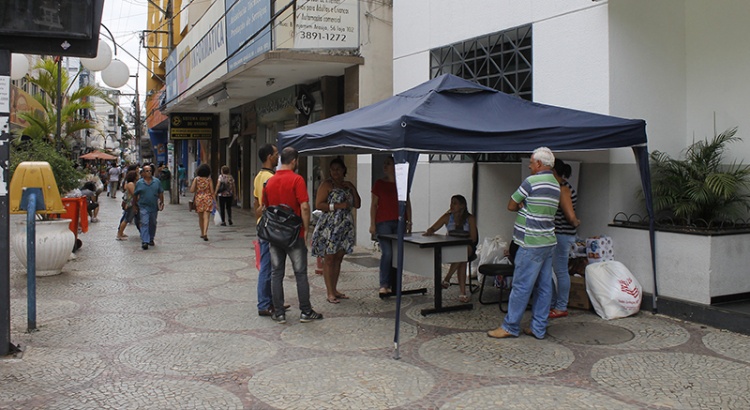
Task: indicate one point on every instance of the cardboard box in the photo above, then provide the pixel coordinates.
(578, 297)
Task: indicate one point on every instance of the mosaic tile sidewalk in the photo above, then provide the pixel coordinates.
(176, 327)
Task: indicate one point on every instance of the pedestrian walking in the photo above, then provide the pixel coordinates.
(225, 189)
(129, 207)
(149, 196)
(182, 179)
(203, 187)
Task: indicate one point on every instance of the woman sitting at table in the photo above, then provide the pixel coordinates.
(459, 222)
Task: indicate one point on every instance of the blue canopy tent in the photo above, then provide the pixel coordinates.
(451, 115)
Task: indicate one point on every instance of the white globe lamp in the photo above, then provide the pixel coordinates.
(116, 74)
(19, 66)
(102, 59)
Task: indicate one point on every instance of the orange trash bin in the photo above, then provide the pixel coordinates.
(76, 210)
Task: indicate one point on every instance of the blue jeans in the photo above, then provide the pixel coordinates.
(298, 255)
(560, 266)
(264, 276)
(148, 224)
(386, 250)
(532, 275)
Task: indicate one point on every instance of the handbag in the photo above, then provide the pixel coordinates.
(280, 226)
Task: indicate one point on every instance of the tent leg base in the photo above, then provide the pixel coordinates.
(467, 306)
(404, 292)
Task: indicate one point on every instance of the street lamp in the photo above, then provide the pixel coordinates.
(115, 73)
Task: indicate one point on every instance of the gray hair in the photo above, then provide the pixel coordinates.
(545, 156)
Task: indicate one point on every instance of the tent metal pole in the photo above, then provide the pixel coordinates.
(399, 275)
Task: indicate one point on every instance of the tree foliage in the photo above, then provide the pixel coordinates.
(43, 124)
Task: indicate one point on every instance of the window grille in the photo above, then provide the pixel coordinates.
(501, 60)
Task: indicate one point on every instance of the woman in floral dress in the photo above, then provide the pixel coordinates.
(203, 187)
(334, 232)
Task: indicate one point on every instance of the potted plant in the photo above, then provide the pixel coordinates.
(700, 190)
(700, 204)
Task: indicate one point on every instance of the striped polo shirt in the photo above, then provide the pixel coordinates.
(562, 226)
(535, 223)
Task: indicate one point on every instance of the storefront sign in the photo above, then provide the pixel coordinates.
(278, 106)
(245, 19)
(191, 126)
(193, 63)
(327, 24)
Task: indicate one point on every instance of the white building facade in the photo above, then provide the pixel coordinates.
(681, 65)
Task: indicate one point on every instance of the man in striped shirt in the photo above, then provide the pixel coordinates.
(536, 202)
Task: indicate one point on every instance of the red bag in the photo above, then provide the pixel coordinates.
(256, 244)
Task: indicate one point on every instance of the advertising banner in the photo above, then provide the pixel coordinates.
(327, 24)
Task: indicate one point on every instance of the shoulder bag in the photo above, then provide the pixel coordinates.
(279, 225)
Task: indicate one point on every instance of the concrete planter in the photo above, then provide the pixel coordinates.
(690, 267)
(54, 244)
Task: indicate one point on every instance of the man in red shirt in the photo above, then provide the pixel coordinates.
(287, 187)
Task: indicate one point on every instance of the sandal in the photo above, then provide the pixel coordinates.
(464, 299)
(384, 291)
(334, 300)
(342, 296)
(446, 284)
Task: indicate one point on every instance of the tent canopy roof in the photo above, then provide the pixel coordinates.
(451, 115)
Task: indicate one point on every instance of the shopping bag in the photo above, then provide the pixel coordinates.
(613, 290)
(256, 245)
(492, 250)
(217, 218)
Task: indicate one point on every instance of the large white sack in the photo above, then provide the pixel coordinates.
(613, 290)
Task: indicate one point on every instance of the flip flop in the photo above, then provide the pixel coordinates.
(334, 300)
(121, 239)
(342, 296)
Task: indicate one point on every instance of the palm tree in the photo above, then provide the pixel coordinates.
(43, 125)
(700, 189)
(41, 142)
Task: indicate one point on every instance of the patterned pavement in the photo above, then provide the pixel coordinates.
(176, 327)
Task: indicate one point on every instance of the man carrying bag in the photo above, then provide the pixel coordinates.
(288, 188)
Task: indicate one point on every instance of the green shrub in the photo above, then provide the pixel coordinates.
(35, 149)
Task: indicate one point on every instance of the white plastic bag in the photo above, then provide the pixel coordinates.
(492, 250)
(613, 290)
(217, 218)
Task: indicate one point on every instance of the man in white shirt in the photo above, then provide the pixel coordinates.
(114, 181)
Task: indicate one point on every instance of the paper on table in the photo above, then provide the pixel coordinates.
(402, 179)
